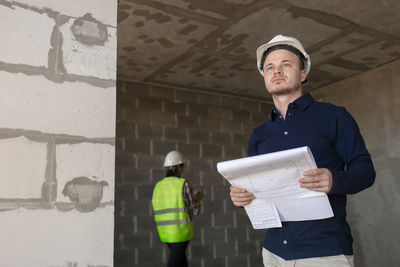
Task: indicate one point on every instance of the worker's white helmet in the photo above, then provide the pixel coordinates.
(282, 40)
(173, 158)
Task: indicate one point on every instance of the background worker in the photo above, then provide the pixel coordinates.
(344, 164)
(174, 206)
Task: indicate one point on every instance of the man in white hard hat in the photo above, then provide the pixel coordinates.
(174, 206)
(344, 164)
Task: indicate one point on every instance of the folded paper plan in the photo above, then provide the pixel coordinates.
(273, 179)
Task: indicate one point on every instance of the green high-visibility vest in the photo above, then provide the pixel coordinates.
(172, 219)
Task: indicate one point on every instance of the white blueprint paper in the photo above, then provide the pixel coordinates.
(263, 214)
(273, 178)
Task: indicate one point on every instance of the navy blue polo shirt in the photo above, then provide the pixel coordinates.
(336, 143)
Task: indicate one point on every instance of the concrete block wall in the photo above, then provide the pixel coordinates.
(57, 123)
(206, 128)
(373, 98)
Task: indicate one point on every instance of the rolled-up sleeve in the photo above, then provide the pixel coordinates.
(192, 207)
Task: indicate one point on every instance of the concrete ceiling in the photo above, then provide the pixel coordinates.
(210, 44)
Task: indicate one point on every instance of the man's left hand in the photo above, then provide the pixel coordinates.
(319, 180)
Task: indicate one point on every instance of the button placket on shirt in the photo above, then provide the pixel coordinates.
(284, 126)
(285, 132)
(288, 116)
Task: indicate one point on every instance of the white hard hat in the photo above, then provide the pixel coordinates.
(173, 158)
(282, 40)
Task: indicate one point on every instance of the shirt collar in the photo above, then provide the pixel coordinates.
(302, 102)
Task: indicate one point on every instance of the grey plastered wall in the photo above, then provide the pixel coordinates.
(373, 98)
(206, 128)
(57, 123)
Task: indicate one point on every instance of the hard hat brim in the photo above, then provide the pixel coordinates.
(173, 158)
(260, 51)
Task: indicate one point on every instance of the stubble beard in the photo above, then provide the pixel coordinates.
(283, 91)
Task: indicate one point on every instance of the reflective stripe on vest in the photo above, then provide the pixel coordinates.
(183, 221)
(157, 212)
(170, 214)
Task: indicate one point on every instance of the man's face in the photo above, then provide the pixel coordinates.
(282, 74)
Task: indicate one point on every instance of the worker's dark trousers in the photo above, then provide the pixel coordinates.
(177, 256)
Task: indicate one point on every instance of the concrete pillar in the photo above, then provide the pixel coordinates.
(57, 132)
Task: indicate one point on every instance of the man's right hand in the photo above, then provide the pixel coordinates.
(240, 197)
